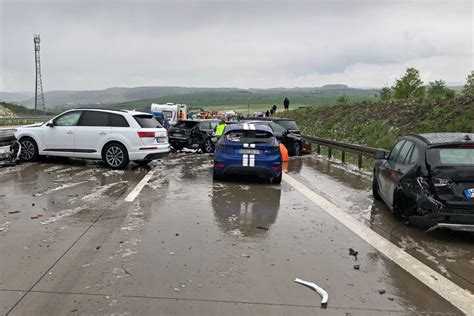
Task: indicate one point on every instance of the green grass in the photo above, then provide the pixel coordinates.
(257, 100)
(380, 124)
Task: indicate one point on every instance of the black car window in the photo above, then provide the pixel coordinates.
(394, 153)
(147, 121)
(415, 152)
(117, 120)
(68, 119)
(186, 124)
(291, 125)
(94, 118)
(404, 152)
(205, 125)
(278, 129)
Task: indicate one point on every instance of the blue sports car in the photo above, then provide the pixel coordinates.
(248, 149)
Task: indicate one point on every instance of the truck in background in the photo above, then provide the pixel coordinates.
(172, 112)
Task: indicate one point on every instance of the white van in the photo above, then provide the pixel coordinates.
(172, 112)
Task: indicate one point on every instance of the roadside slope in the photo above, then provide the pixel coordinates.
(380, 124)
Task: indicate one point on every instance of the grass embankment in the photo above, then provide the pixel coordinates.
(380, 124)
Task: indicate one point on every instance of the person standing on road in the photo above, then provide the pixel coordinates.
(220, 128)
(166, 122)
(267, 114)
(274, 108)
(286, 104)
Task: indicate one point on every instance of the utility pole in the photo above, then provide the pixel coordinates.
(39, 96)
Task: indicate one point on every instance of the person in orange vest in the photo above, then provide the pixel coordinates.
(284, 157)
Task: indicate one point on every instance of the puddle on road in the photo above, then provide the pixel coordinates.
(352, 192)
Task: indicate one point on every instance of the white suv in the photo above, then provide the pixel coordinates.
(115, 136)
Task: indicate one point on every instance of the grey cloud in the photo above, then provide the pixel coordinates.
(98, 44)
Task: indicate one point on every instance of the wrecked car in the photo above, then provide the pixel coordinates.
(428, 179)
(193, 134)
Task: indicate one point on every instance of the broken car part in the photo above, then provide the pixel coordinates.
(318, 289)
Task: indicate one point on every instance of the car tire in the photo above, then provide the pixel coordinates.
(115, 156)
(375, 189)
(29, 149)
(276, 180)
(177, 146)
(216, 176)
(296, 151)
(208, 146)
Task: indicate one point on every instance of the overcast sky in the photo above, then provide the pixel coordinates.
(100, 44)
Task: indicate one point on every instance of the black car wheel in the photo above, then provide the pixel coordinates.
(208, 146)
(115, 155)
(29, 149)
(296, 149)
(375, 189)
(276, 180)
(177, 146)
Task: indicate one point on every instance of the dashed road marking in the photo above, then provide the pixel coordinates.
(138, 188)
(459, 297)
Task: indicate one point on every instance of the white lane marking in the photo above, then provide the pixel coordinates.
(252, 161)
(246, 145)
(252, 145)
(245, 160)
(459, 297)
(137, 189)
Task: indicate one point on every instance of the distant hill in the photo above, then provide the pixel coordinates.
(14, 96)
(142, 97)
(67, 98)
(11, 109)
(253, 99)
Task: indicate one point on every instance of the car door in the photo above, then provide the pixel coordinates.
(58, 137)
(398, 170)
(384, 170)
(92, 132)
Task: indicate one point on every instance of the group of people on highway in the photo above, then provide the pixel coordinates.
(272, 111)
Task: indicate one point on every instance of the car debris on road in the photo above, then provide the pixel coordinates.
(318, 289)
(11, 158)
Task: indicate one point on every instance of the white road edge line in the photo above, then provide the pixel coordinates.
(457, 296)
(137, 189)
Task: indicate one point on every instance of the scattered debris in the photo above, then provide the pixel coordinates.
(262, 228)
(177, 234)
(381, 292)
(36, 216)
(11, 159)
(318, 289)
(97, 248)
(171, 253)
(354, 253)
(391, 299)
(356, 266)
(13, 212)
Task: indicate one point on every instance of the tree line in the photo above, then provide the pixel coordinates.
(410, 86)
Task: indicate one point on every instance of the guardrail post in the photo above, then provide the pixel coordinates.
(343, 156)
(359, 162)
(318, 149)
(329, 152)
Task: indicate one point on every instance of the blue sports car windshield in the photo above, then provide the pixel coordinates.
(249, 136)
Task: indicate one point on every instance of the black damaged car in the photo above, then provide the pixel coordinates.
(428, 179)
(193, 134)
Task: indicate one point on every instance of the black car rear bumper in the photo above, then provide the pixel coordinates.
(456, 219)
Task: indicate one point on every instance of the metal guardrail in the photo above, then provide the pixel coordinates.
(22, 120)
(360, 151)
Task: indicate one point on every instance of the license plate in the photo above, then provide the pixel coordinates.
(250, 151)
(469, 193)
(177, 134)
(160, 139)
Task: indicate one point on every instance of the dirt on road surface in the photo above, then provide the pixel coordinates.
(78, 238)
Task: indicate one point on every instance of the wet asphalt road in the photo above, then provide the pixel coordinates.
(188, 245)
